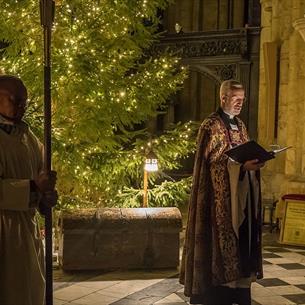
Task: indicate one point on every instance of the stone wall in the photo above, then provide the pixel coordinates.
(281, 117)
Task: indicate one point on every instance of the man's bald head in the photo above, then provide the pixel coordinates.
(12, 84)
(13, 97)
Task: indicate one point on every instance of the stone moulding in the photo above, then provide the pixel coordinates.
(213, 43)
(299, 25)
(267, 5)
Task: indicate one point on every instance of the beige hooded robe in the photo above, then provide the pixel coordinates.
(21, 252)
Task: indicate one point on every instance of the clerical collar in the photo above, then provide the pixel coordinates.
(231, 123)
(231, 116)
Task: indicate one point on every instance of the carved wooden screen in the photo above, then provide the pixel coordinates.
(206, 15)
(219, 40)
(213, 57)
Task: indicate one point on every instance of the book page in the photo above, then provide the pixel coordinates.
(276, 151)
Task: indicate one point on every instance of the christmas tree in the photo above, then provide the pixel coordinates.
(105, 87)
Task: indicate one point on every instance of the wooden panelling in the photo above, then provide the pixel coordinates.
(209, 15)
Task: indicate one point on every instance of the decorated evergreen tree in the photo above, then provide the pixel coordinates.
(105, 87)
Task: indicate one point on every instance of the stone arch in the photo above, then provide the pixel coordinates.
(199, 96)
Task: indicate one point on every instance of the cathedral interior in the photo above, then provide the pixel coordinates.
(262, 44)
(259, 43)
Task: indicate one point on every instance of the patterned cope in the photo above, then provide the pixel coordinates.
(211, 250)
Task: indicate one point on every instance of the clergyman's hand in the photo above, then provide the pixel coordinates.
(49, 199)
(46, 181)
(252, 165)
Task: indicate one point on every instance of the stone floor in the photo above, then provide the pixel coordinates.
(283, 283)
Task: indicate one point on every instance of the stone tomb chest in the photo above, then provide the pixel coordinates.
(124, 238)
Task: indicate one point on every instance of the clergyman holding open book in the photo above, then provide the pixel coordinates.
(222, 253)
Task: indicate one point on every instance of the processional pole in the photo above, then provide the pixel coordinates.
(47, 9)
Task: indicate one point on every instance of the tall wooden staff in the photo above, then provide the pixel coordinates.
(47, 9)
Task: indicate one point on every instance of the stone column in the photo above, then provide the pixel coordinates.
(295, 109)
(266, 22)
(282, 23)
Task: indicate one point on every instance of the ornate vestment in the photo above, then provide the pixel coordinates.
(212, 251)
(21, 253)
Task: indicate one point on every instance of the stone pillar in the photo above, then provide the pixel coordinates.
(282, 23)
(292, 121)
(266, 22)
(295, 109)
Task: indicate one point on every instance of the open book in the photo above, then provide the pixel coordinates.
(252, 150)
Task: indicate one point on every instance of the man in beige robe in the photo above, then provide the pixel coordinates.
(222, 252)
(23, 189)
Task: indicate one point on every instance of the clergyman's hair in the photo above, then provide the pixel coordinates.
(230, 85)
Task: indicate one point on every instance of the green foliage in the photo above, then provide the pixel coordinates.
(104, 87)
(168, 193)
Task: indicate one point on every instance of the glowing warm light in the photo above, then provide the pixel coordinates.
(151, 163)
(111, 82)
